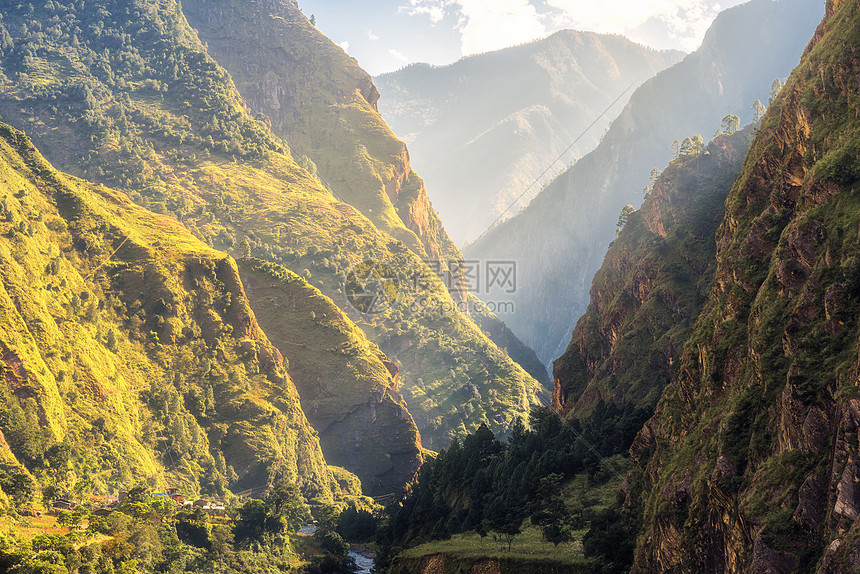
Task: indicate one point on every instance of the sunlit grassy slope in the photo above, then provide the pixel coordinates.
(129, 351)
(124, 93)
(320, 100)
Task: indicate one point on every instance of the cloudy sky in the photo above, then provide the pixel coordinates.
(385, 35)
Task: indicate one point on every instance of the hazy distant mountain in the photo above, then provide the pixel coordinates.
(483, 129)
(559, 241)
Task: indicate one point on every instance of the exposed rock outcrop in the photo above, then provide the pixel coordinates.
(652, 286)
(764, 409)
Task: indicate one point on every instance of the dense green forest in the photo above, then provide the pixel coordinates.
(493, 487)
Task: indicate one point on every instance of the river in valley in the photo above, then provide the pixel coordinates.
(363, 563)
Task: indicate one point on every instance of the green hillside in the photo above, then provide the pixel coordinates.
(319, 100)
(364, 424)
(759, 426)
(133, 346)
(125, 94)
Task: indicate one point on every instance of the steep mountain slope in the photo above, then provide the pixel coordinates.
(319, 100)
(652, 286)
(483, 129)
(502, 336)
(125, 93)
(365, 425)
(750, 463)
(559, 241)
(129, 351)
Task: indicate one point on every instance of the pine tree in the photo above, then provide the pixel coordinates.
(245, 249)
(758, 111)
(698, 144)
(775, 89)
(687, 147)
(622, 218)
(655, 174)
(731, 124)
(676, 149)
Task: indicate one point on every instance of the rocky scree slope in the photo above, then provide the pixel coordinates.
(750, 462)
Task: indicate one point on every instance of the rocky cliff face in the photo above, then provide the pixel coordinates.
(319, 100)
(560, 239)
(128, 350)
(750, 460)
(652, 286)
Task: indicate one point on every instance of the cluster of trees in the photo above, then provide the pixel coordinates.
(149, 534)
(732, 123)
(485, 485)
(689, 147)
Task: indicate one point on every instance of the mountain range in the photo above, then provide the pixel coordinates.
(162, 121)
(484, 129)
(221, 278)
(559, 240)
(727, 307)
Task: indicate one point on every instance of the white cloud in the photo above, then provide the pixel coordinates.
(344, 46)
(487, 25)
(371, 36)
(398, 55)
(686, 21)
(434, 9)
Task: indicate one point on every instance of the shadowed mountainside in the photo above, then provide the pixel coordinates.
(652, 286)
(755, 440)
(560, 239)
